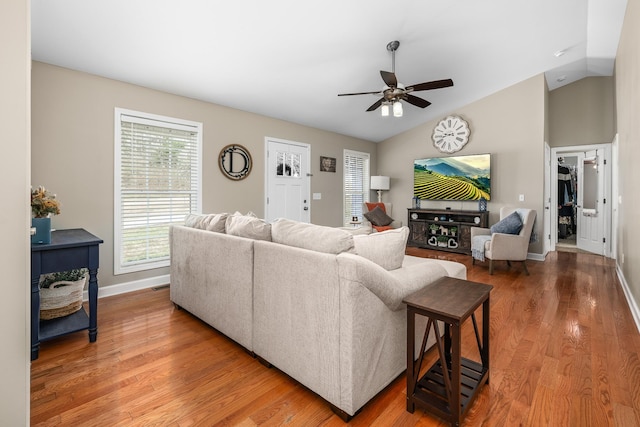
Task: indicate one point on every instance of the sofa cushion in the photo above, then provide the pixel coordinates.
(511, 224)
(386, 249)
(378, 217)
(209, 222)
(248, 226)
(310, 236)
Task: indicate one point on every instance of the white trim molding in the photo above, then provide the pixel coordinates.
(633, 306)
(123, 288)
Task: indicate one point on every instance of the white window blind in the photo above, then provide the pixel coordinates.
(356, 184)
(157, 183)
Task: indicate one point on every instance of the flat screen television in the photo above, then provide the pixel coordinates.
(452, 178)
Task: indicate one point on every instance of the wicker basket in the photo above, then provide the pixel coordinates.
(61, 298)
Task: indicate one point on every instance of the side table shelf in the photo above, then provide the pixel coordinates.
(68, 250)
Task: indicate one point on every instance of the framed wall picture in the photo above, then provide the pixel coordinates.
(327, 164)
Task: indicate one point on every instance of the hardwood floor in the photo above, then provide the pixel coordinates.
(564, 352)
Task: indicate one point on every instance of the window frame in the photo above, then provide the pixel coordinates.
(366, 184)
(158, 121)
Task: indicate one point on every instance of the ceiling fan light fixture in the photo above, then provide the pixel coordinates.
(397, 109)
(385, 110)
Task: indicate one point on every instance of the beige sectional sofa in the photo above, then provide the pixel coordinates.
(320, 304)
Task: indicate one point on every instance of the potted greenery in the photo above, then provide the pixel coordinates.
(61, 293)
(442, 241)
(43, 205)
(433, 228)
(453, 230)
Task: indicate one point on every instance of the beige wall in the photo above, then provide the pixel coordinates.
(15, 252)
(509, 125)
(73, 120)
(628, 125)
(582, 113)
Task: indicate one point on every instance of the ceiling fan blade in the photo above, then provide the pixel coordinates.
(436, 84)
(360, 93)
(418, 102)
(376, 105)
(389, 78)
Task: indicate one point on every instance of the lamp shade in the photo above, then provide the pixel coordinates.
(397, 109)
(380, 182)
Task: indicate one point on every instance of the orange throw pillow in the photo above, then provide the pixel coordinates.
(372, 206)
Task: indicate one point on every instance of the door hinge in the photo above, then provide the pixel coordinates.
(605, 161)
(604, 240)
(549, 237)
(267, 200)
(604, 201)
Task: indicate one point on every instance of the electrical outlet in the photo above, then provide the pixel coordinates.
(521, 197)
(317, 196)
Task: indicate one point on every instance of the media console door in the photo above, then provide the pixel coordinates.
(444, 229)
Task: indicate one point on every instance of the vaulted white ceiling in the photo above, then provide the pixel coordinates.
(288, 59)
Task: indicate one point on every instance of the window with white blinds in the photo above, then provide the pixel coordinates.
(157, 182)
(356, 184)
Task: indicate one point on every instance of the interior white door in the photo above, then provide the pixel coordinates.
(590, 205)
(287, 180)
(547, 199)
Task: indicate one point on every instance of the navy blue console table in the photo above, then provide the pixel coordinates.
(68, 250)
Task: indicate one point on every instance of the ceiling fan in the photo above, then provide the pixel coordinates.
(393, 92)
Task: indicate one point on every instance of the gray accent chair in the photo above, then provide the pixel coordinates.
(508, 247)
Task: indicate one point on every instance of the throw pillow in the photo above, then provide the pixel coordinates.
(511, 224)
(210, 222)
(249, 227)
(378, 217)
(317, 238)
(387, 249)
(372, 206)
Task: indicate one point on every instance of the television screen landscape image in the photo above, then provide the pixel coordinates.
(452, 178)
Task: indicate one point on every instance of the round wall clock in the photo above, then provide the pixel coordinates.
(235, 162)
(450, 134)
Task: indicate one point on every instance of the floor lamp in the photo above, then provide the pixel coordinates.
(380, 183)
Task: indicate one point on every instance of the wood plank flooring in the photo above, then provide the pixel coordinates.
(564, 352)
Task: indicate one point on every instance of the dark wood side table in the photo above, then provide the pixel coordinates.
(68, 250)
(447, 392)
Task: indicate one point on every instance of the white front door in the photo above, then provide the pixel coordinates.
(590, 204)
(287, 180)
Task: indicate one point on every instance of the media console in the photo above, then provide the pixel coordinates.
(444, 229)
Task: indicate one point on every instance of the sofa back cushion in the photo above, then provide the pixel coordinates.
(310, 236)
(209, 222)
(387, 248)
(248, 226)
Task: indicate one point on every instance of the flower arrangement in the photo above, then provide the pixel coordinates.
(43, 203)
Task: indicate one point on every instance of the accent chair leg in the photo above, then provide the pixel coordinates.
(490, 266)
(509, 263)
(524, 265)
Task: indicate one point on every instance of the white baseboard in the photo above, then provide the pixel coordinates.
(123, 288)
(633, 306)
(535, 257)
